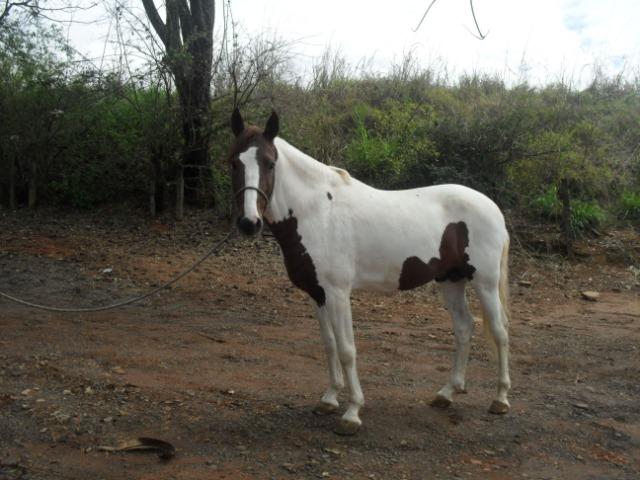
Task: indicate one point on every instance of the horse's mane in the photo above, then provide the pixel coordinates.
(310, 164)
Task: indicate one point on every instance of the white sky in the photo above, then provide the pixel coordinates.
(540, 40)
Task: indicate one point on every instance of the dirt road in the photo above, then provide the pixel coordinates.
(228, 365)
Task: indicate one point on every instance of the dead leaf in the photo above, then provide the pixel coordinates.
(592, 296)
(333, 451)
(164, 449)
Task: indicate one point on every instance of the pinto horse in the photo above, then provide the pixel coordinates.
(338, 234)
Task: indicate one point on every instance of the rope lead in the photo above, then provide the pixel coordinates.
(213, 250)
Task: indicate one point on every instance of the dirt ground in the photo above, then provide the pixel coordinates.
(227, 365)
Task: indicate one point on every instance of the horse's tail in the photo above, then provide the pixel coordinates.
(503, 293)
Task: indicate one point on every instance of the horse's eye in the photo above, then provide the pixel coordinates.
(272, 165)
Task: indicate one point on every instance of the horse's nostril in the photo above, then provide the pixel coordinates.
(248, 227)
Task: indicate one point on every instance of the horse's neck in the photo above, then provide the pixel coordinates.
(298, 178)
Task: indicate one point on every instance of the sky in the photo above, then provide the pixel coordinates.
(541, 41)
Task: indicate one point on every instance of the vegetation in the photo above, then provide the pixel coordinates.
(629, 208)
(74, 135)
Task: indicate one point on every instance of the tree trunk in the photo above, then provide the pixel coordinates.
(180, 194)
(196, 135)
(153, 211)
(13, 203)
(33, 183)
(195, 101)
(158, 179)
(187, 34)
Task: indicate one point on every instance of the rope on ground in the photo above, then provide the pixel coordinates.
(213, 250)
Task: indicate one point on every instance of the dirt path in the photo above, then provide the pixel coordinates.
(228, 365)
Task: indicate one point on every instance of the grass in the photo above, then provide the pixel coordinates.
(629, 208)
(585, 215)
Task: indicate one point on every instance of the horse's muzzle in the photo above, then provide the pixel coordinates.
(248, 227)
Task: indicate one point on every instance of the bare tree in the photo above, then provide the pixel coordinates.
(187, 36)
(33, 6)
(41, 8)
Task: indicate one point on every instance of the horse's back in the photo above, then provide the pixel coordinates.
(429, 209)
(466, 204)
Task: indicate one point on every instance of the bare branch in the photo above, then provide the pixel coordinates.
(425, 15)
(36, 10)
(9, 5)
(480, 35)
(156, 21)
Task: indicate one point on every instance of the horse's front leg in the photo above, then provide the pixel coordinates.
(329, 402)
(338, 311)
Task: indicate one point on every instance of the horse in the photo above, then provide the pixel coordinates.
(337, 234)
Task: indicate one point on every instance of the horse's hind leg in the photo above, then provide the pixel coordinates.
(329, 402)
(456, 302)
(496, 316)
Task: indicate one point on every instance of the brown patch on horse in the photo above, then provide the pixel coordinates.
(453, 264)
(300, 267)
(267, 156)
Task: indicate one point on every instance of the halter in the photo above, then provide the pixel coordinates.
(264, 195)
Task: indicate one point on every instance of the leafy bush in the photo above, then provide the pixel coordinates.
(95, 138)
(391, 147)
(586, 215)
(371, 158)
(548, 204)
(629, 208)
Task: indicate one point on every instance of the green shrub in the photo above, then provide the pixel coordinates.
(586, 215)
(392, 146)
(548, 205)
(370, 157)
(96, 139)
(629, 208)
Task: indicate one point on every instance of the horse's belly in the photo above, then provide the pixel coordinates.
(385, 279)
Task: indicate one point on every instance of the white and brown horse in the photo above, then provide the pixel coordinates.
(338, 234)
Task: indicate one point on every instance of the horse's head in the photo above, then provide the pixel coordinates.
(252, 159)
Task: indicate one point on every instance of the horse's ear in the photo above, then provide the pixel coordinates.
(237, 123)
(273, 125)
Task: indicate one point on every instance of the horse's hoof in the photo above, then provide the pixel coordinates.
(440, 402)
(499, 408)
(323, 408)
(346, 428)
